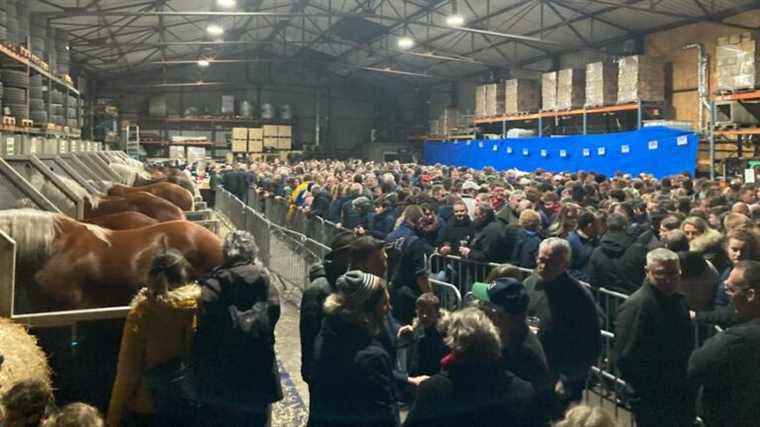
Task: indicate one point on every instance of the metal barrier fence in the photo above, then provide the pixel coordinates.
(285, 252)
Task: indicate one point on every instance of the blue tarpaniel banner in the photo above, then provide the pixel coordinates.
(660, 151)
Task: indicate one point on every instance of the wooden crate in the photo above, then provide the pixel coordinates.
(270, 131)
(255, 146)
(271, 142)
(239, 133)
(284, 131)
(239, 145)
(284, 143)
(256, 134)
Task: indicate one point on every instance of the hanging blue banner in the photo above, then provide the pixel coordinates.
(660, 151)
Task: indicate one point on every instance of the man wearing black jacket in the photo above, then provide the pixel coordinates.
(459, 229)
(654, 338)
(322, 283)
(494, 240)
(727, 365)
(604, 269)
(569, 328)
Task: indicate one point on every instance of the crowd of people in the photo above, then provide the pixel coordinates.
(684, 250)
(377, 347)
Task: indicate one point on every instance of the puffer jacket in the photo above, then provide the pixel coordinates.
(156, 331)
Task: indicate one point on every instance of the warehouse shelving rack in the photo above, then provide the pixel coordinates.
(21, 58)
(537, 121)
(732, 141)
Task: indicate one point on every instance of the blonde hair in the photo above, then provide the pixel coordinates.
(76, 414)
(587, 416)
(470, 333)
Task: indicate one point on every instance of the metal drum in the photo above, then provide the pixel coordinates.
(267, 111)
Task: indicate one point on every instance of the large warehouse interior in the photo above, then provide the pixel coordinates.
(380, 213)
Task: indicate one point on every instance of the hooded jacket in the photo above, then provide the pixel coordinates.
(156, 331)
(494, 241)
(604, 268)
(710, 245)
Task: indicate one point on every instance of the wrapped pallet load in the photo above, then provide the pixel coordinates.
(601, 84)
(641, 78)
(738, 62)
(494, 99)
(480, 101)
(571, 88)
(521, 96)
(549, 91)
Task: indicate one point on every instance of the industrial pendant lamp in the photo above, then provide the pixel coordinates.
(455, 19)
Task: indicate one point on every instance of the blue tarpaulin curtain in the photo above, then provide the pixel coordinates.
(660, 151)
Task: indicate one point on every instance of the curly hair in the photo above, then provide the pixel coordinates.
(472, 335)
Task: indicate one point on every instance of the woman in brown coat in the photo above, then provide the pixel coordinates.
(159, 328)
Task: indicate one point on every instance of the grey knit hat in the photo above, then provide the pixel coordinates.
(357, 286)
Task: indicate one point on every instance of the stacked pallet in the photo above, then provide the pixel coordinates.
(277, 137)
(521, 96)
(494, 99)
(255, 140)
(239, 140)
(601, 84)
(571, 88)
(480, 101)
(738, 62)
(549, 91)
(641, 79)
(449, 121)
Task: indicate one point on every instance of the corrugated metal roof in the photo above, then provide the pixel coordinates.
(571, 24)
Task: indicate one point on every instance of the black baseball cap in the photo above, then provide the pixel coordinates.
(505, 292)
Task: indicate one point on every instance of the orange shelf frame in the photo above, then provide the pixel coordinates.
(554, 114)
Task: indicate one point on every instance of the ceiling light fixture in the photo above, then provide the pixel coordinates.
(203, 63)
(214, 29)
(225, 3)
(455, 20)
(405, 42)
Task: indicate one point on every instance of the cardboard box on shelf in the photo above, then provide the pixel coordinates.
(256, 134)
(641, 78)
(549, 91)
(521, 96)
(284, 131)
(738, 62)
(601, 84)
(255, 146)
(270, 131)
(571, 88)
(480, 101)
(239, 133)
(494, 99)
(284, 143)
(239, 145)
(271, 142)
